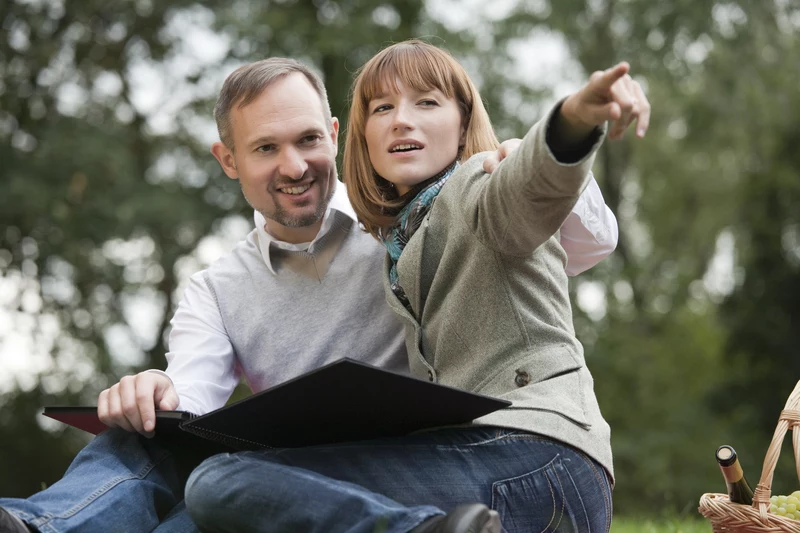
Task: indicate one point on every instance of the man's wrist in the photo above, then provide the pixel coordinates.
(157, 371)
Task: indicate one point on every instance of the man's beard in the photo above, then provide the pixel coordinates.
(285, 218)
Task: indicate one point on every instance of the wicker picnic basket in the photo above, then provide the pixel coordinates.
(736, 518)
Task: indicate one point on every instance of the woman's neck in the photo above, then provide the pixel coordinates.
(415, 190)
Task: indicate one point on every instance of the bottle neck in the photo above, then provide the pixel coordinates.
(732, 473)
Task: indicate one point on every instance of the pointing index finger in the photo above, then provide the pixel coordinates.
(610, 76)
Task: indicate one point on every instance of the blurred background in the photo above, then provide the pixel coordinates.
(110, 200)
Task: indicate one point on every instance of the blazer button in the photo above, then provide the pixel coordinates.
(522, 378)
(430, 375)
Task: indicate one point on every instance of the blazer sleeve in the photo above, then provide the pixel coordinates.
(530, 194)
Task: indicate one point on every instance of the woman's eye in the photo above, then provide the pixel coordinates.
(429, 103)
(380, 108)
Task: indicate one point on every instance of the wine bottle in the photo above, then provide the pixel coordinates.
(739, 490)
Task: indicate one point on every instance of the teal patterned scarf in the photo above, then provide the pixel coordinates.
(409, 220)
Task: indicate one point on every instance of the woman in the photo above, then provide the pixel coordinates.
(474, 264)
(475, 268)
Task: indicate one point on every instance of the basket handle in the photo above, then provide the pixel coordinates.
(789, 419)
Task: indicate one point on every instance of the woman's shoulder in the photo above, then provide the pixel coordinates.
(471, 169)
(464, 186)
(476, 160)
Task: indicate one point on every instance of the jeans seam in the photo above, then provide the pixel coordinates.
(45, 528)
(501, 435)
(29, 519)
(549, 485)
(490, 440)
(603, 482)
(143, 472)
(563, 495)
(601, 477)
(524, 436)
(580, 498)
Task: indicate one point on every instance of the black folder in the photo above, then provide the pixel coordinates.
(343, 401)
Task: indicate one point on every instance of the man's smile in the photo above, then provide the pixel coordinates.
(297, 189)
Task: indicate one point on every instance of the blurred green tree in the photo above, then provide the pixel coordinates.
(86, 223)
(107, 186)
(707, 207)
(763, 310)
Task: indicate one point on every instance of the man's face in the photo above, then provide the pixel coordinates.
(284, 157)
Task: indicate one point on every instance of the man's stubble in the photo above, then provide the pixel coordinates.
(285, 218)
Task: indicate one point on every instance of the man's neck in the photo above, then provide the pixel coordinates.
(293, 235)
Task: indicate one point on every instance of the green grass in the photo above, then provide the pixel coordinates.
(648, 525)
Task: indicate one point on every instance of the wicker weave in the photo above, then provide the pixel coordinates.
(736, 518)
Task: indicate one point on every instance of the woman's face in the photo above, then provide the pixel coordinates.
(411, 135)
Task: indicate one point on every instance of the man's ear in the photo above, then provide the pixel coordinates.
(226, 160)
(334, 133)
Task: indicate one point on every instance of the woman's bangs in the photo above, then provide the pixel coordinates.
(416, 68)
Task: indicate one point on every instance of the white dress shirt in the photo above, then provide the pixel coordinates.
(590, 232)
(200, 352)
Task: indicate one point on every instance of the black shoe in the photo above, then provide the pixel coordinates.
(10, 523)
(472, 518)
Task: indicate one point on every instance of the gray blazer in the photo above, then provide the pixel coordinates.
(485, 277)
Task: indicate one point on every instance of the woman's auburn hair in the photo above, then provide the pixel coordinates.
(423, 67)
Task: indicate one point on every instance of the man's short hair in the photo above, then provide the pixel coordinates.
(247, 82)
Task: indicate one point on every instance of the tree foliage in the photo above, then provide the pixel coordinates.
(102, 203)
(695, 348)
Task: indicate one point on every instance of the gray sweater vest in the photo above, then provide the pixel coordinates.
(284, 324)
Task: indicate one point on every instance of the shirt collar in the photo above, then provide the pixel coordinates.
(339, 202)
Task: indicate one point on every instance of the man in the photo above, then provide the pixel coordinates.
(302, 290)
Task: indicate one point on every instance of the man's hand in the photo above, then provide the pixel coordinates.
(506, 147)
(610, 95)
(131, 403)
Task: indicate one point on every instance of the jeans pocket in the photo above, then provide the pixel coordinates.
(545, 500)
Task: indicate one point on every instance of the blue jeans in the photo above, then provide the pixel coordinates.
(393, 485)
(119, 483)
